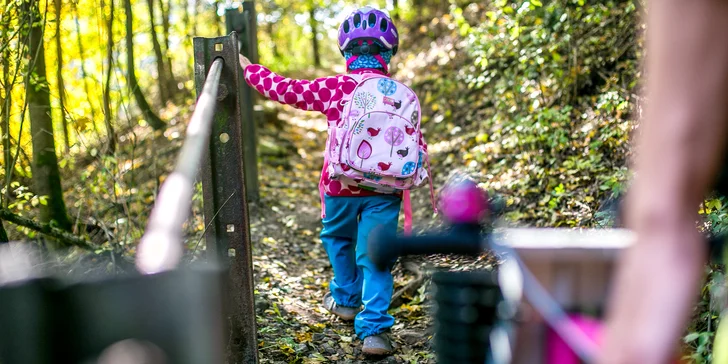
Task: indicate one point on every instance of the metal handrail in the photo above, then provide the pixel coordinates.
(160, 248)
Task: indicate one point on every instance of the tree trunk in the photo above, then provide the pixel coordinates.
(5, 134)
(46, 177)
(81, 54)
(165, 24)
(5, 124)
(149, 115)
(314, 36)
(271, 32)
(187, 38)
(59, 76)
(111, 144)
(9, 159)
(218, 23)
(172, 82)
(186, 19)
(5, 127)
(195, 17)
(161, 71)
(395, 10)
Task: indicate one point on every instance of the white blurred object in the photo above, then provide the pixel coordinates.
(17, 262)
(132, 352)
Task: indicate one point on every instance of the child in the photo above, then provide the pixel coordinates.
(367, 39)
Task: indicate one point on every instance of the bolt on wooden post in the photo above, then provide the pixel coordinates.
(224, 188)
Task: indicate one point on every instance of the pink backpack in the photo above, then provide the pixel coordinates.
(377, 141)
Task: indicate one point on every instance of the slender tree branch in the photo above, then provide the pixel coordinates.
(152, 119)
(411, 287)
(111, 135)
(46, 229)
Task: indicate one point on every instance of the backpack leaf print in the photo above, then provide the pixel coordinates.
(364, 151)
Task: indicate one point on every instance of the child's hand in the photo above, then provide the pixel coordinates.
(244, 62)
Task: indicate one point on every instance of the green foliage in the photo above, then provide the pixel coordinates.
(701, 332)
(540, 52)
(551, 92)
(715, 211)
(24, 201)
(706, 317)
(701, 343)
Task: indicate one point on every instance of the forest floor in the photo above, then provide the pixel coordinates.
(293, 270)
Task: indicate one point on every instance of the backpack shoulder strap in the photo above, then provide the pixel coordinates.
(407, 205)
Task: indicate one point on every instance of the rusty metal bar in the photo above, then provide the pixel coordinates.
(250, 98)
(242, 20)
(161, 246)
(224, 194)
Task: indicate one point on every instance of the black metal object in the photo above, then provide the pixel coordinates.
(385, 247)
(242, 20)
(45, 320)
(465, 316)
(224, 193)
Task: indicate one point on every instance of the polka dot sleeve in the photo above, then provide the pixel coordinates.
(317, 95)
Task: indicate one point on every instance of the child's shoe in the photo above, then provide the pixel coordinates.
(345, 313)
(377, 345)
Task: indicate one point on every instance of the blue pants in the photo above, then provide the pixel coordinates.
(356, 280)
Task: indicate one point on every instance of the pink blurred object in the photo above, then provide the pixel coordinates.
(464, 203)
(558, 352)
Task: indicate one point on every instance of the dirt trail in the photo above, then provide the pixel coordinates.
(292, 269)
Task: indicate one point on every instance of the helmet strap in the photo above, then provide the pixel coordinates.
(351, 60)
(379, 58)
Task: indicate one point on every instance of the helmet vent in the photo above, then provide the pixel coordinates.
(372, 20)
(357, 21)
(383, 25)
(347, 27)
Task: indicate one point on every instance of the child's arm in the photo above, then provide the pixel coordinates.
(320, 94)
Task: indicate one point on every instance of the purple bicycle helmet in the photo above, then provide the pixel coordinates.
(368, 24)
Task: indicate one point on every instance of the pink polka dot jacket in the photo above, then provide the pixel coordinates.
(323, 95)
